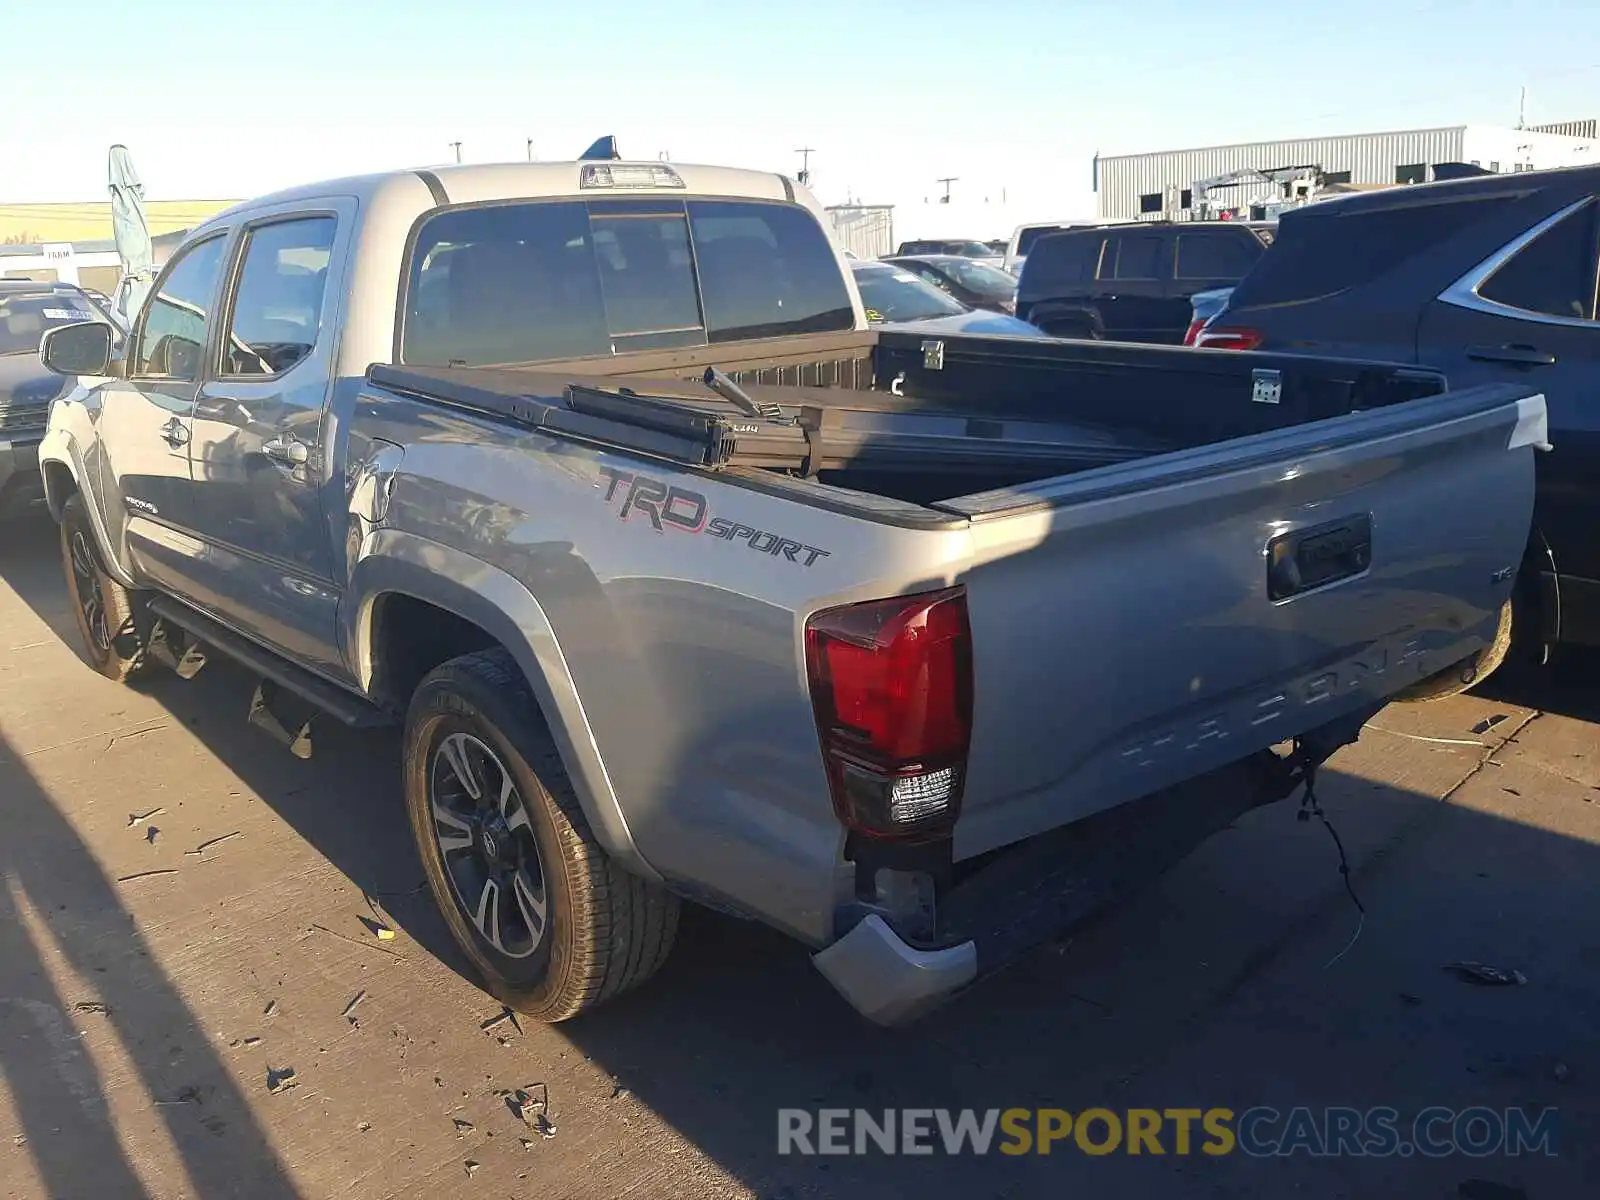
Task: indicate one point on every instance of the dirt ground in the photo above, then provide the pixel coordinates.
(186, 907)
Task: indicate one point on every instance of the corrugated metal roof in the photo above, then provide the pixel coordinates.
(1338, 137)
(1369, 158)
(1582, 129)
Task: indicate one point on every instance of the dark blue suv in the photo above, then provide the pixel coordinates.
(1490, 278)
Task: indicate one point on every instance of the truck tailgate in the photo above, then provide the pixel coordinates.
(1140, 624)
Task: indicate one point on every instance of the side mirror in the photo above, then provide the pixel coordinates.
(82, 348)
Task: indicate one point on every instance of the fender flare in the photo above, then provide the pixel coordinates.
(59, 450)
(393, 562)
(1046, 312)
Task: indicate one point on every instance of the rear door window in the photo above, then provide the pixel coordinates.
(1554, 274)
(542, 281)
(1138, 256)
(1215, 255)
(277, 302)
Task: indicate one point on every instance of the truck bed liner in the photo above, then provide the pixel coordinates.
(821, 429)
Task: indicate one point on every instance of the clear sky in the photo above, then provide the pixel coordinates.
(1013, 96)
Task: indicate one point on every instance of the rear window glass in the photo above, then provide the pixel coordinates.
(1320, 253)
(539, 281)
(1216, 255)
(1066, 258)
(766, 270)
(1028, 237)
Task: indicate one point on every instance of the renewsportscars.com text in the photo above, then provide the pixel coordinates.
(1260, 1132)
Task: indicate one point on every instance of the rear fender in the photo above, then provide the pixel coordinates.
(1045, 314)
(394, 562)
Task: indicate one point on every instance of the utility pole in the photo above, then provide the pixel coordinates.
(457, 146)
(947, 181)
(1522, 109)
(530, 149)
(805, 153)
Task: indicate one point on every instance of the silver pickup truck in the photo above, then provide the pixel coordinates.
(684, 583)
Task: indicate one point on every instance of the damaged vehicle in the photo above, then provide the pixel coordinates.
(686, 584)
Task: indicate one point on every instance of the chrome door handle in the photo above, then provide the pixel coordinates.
(175, 433)
(286, 451)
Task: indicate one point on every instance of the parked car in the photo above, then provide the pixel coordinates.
(961, 247)
(975, 284)
(682, 582)
(900, 299)
(1024, 236)
(1202, 307)
(27, 310)
(1489, 279)
(1132, 283)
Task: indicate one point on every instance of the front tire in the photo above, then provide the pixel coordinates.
(1469, 672)
(552, 925)
(108, 634)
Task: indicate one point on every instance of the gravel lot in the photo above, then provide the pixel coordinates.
(155, 973)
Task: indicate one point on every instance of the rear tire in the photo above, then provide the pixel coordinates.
(1077, 330)
(552, 925)
(108, 635)
(1469, 672)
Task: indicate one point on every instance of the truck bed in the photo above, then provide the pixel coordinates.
(921, 420)
(1162, 573)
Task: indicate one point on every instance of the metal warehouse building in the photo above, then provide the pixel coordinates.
(1161, 186)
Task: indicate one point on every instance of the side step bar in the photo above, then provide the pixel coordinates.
(335, 701)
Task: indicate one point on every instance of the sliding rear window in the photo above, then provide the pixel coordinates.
(540, 281)
(1318, 253)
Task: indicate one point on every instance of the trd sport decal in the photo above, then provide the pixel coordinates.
(670, 507)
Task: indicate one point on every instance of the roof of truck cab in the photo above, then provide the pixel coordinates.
(481, 182)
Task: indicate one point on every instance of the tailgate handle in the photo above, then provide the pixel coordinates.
(1311, 558)
(1522, 356)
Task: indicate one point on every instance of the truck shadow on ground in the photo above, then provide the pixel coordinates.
(1209, 989)
(57, 904)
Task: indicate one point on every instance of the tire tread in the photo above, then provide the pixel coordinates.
(627, 925)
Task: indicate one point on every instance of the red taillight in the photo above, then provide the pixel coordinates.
(1225, 337)
(1195, 326)
(891, 685)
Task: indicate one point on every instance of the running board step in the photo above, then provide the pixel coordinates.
(185, 665)
(335, 701)
(264, 719)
